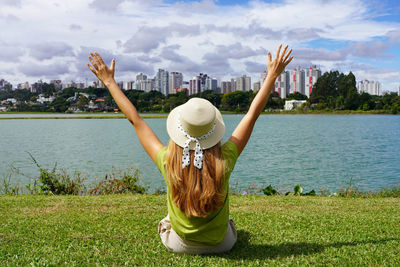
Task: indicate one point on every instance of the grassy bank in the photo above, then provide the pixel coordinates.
(81, 117)
(122, 230)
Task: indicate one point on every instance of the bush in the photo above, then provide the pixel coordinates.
(57, 182)
(270, 191)
(112, 184)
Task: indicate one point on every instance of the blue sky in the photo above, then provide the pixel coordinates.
(52, 39)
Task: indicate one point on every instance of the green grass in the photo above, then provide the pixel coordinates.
(122, 230)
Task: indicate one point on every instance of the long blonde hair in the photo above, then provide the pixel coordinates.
(196, 192)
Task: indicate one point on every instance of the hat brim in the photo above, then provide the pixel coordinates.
(180, 139)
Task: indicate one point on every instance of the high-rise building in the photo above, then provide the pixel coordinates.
(312, 75)
(195, 85)
(233, 85)
(370, 87)
(210, 84)
(243, 83)
(256, 86)
(226, 87)
(57, 84)
(141, 77)
(121, 85)
(5, 85)
(297, 77)
(145, 85)
(161, 81)
(263, 76)
(130, 85)
(175, 81)
(201, 83)
(282, 84)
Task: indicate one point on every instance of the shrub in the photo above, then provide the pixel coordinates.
(113, 184)
(57, 182)
(270, 191)
(298, 190)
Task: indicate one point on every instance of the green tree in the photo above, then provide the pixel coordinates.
(237, 101)
(296, 96)
(210, 95)
(82, 102)
(60, 104)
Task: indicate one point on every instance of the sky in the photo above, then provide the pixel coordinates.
(52, 39)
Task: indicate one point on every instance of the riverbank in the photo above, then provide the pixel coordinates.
(122, 230)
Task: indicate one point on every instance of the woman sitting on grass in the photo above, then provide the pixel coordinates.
(195, 165)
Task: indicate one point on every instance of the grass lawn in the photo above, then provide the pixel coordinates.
(122, 230)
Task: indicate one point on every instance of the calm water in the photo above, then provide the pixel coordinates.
(313, 150)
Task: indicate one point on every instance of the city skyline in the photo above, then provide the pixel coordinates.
(289, 82)
(222, 38)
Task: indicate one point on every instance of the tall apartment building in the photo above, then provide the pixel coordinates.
(370, 87)
(130, 85)
(282, 84)
(233, 85)
(141, 77)
(161, 81)
(145, 85)
(312, 75)
(210, 84)
(25, 85)
(243, 83)
(263, 76)
(57, 84)
(226, 87)
(297, 77)
(201, 83)
(257, 86)
(175, 81)
(195, 85)
(4, 85)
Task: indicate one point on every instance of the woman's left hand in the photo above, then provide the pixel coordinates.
(100, 69)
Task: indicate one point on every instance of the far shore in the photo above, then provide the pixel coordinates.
(119, 115)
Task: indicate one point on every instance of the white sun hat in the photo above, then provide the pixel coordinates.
(195, 125)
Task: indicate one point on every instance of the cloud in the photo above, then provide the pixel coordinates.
(255, 67)
(234, 51)
(123, 63)
(52, 70)
(9, 18)
(252, 30)
(178, 62)
(370, 50)
(319, 54)
(75, 27)
(48, 50)
(10, 2)
(105, 5)
(10, 53)
(304, 33)
(148, 38)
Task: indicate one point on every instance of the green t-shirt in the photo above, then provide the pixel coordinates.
(211, 229)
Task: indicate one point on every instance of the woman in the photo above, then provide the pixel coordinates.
(195, 166)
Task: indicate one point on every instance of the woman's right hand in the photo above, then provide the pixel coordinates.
(100, 69)
(279, 63)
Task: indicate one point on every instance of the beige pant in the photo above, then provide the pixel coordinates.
(174, 243)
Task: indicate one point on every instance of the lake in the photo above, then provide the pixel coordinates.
(316, 151)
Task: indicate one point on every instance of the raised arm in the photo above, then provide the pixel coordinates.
(147, 137)
(242, 133)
